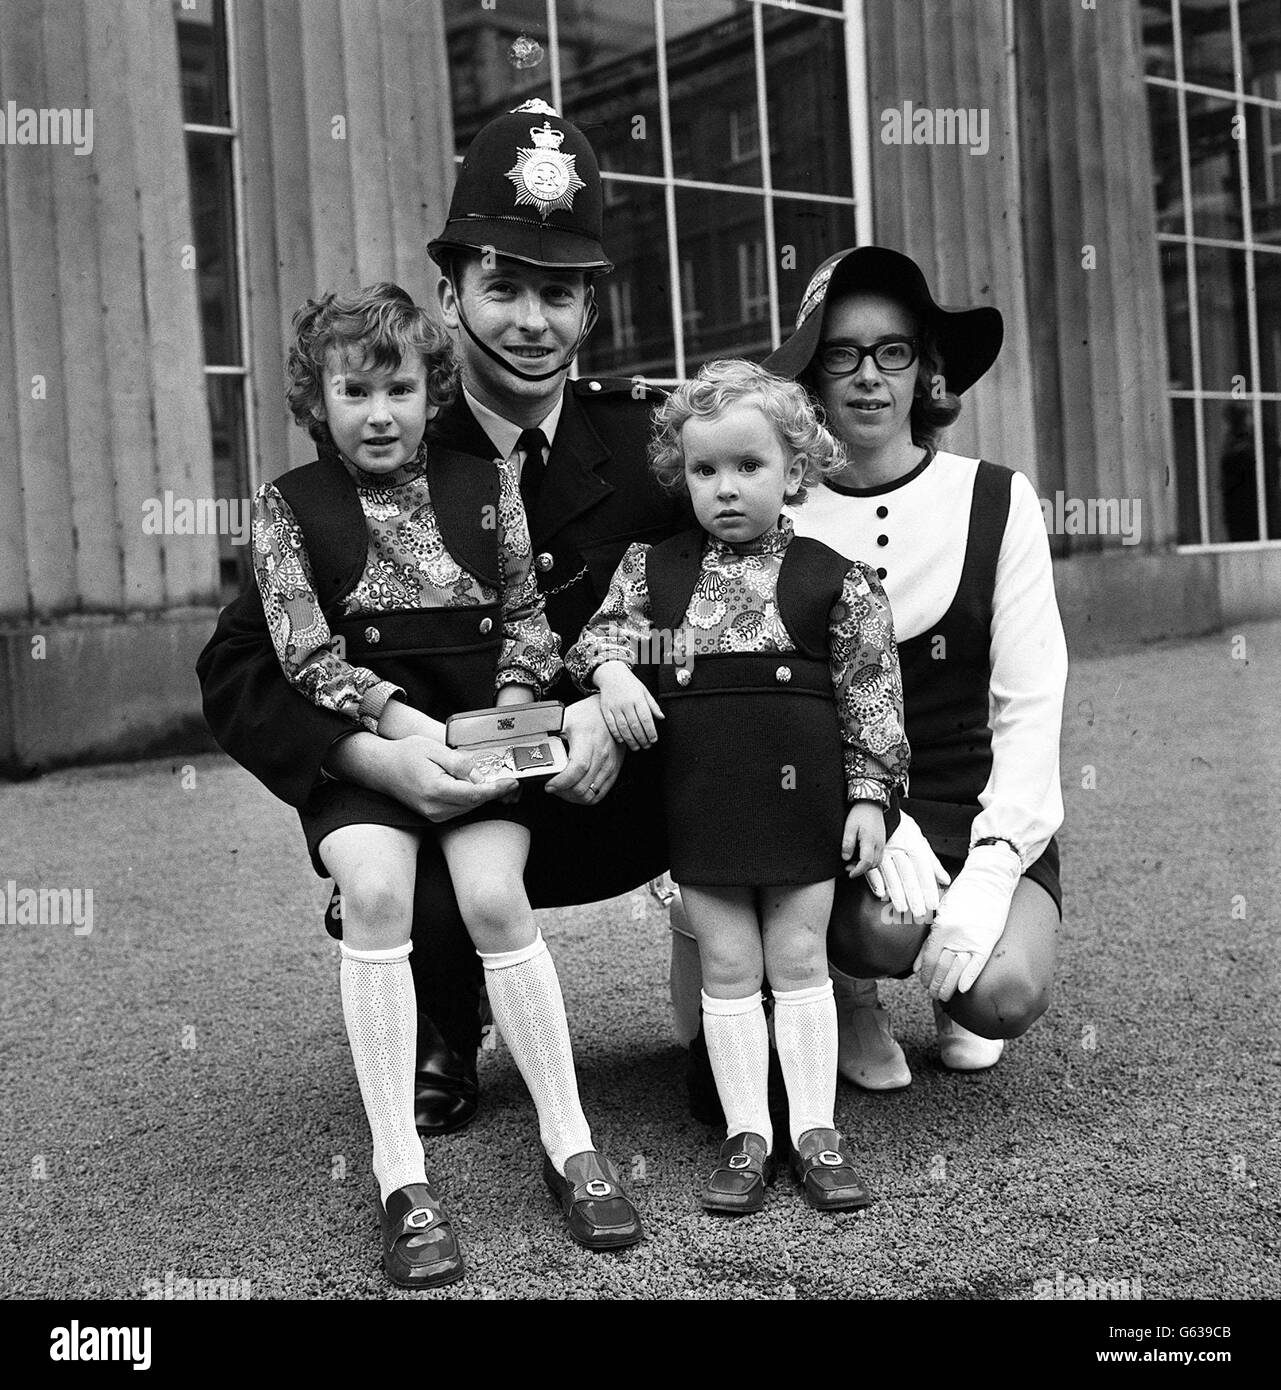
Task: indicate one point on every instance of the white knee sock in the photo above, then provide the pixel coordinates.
(805, 1034)
(382, 1024)
(529, 1009)
(738, 1048)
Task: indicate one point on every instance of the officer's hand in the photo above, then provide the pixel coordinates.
(594, 757)
(426, 776)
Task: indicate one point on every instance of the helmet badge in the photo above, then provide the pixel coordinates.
(544, 176)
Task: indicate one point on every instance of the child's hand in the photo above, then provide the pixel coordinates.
(626, 705)
(864, 831)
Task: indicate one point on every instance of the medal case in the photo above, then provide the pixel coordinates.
(511, 740)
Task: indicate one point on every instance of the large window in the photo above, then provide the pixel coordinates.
(1214, 96)
(723, 130)
(209, 120)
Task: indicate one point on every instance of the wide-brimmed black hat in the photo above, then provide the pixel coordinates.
(968, 339)
(529, 189)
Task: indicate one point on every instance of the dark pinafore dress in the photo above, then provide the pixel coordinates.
(750, 747)
(946, 700)
(444, 658)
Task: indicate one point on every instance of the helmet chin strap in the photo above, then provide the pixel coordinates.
(589, 322)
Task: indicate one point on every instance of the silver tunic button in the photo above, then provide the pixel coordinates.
(373, 636)
(544, 562)
(783, 674)
(485, 625)
(593, 385)
(683, 676)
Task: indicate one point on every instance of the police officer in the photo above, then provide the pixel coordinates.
(518, 256)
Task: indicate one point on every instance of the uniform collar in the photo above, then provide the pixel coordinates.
(502, 433)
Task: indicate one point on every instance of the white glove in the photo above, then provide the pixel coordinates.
(910, 873)
(969, 921)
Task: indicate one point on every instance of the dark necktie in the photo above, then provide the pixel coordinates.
(531, 445)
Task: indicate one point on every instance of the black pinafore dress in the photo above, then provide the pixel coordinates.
(444, 658)
(750, 747)
(947, 677)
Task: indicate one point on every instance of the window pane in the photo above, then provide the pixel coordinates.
(1263, 151)
(1221, 305)
(202, 58)
(805, 235)
(711, 81)
(497, 60)
(1261, 47)
(609, 79)
(809, 123)
(722, 241)
(1178, 323)
(1158, 38)
(1267, 298)
(1167, 171)
(1214, 159)
(1237, 478)
(213, 226)
(1183, 422)
(634, 334)
(1206, 26)
(230, 472)
(1272, 466)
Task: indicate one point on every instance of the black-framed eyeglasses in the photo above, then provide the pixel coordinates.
(889, 354)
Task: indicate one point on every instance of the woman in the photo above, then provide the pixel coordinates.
(961, 550)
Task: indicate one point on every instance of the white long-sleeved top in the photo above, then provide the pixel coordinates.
(925, 526)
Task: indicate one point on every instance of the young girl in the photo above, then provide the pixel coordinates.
(771, 656)
(397, 585)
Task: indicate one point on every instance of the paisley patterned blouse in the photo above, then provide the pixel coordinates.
(733, 609)
(407, 567)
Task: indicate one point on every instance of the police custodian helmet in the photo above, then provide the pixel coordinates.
(529, 189)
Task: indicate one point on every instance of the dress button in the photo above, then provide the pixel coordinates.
(880, 572)
(544, 562)
(882, 512)
(486, 625)
(882, 540)
(373, 636)
(683, 676)
(593, 385)
(783, 674)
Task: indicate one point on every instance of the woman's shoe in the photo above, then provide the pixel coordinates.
(868, 1057)
(744, 1169)
(598, 1213)
(962, 1050)
(824, 1167)
(420, 1250)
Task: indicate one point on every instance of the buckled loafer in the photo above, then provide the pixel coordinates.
(824, 1167)
(744, 1169)
(446, 1093)
(599, 1214)
(420, 1250)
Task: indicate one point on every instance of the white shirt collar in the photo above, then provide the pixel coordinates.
(502, 433)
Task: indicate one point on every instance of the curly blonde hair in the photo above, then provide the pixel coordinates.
(733, 381)
(376, 327)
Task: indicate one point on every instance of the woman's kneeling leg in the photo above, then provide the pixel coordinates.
(1015, 987)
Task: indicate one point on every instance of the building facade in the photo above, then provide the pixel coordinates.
(179, 175)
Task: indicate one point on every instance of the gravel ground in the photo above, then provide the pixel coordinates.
(177, 1081)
